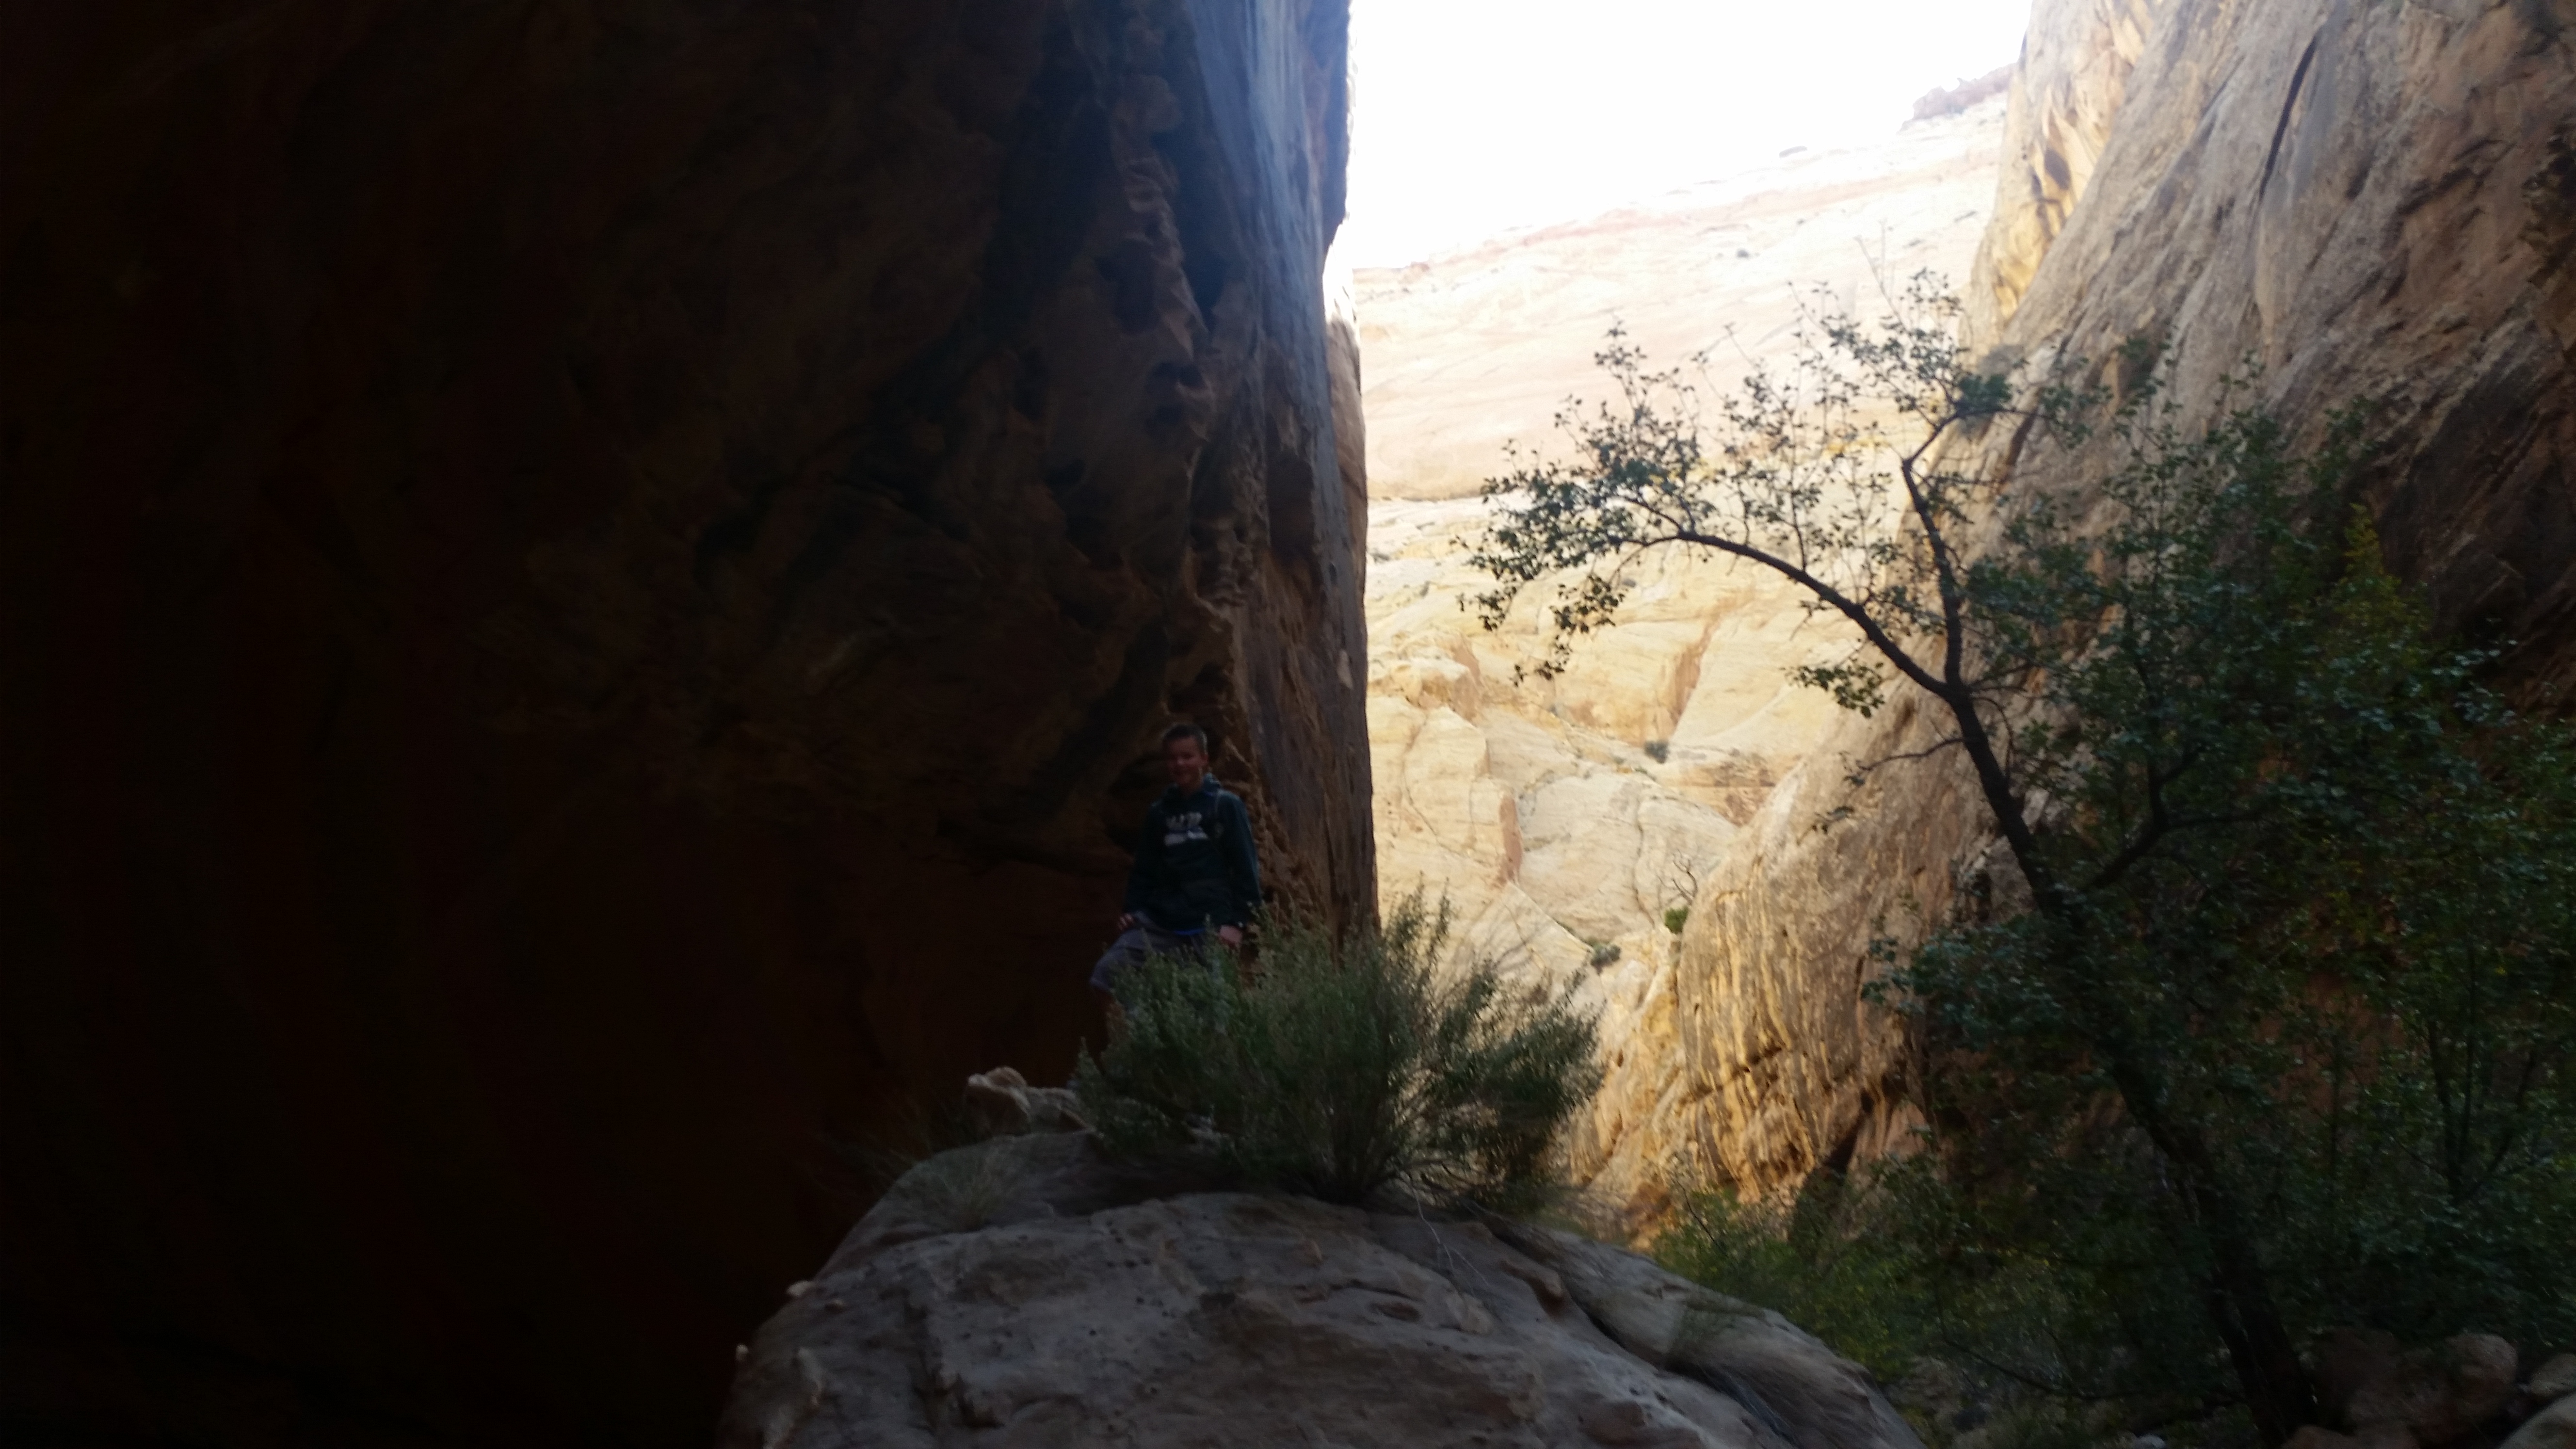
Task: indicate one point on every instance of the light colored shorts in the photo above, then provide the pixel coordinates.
(1133, 947)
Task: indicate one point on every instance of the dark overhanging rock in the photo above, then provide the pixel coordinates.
(587, 593)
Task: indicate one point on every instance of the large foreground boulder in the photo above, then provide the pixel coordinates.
(1026, 1291)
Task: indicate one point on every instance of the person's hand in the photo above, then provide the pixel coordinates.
(1126, 922)
(1231, 935)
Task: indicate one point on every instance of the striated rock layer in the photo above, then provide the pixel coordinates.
(585, 597)
(2369, 202)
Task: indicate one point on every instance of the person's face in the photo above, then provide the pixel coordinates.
(1185, 762)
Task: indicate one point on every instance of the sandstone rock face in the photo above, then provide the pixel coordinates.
(2371, 202)
(589, 593)
(1024, 1292)
(1563, 818)
(2074, 73)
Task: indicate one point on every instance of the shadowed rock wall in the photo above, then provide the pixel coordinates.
(2370, 201)
(585, 598)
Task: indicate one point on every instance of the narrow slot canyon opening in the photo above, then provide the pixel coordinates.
(1523, 178)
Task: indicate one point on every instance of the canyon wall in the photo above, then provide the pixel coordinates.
(586, 596)
(2369, 202)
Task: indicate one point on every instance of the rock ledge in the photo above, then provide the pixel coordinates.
(1027, 1291)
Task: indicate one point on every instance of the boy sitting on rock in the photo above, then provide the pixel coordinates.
(1194, 872)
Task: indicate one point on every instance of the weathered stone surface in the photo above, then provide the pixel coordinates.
(1810, 1396)
(1777, 1065)
(588, 591)
(2369, 201)
(995, 1298)
(2074, 72)
(2442, 1393)
(1001, 1102)
(2552, 1428)
(2554, 1379)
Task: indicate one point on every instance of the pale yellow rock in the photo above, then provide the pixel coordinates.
(2074, 74)
(1538, 807)
(1479, 347)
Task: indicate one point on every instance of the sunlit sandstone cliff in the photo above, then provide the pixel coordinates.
(1562, 819)
(585, 594)
(2369, 201)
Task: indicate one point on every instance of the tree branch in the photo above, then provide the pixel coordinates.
(1833, 598)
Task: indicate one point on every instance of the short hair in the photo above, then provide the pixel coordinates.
(1186, 731)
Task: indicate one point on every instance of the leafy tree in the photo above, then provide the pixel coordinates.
(2278, 1039)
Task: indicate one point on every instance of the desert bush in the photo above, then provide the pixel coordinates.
(1351, 1070)
(1811, 1258)
(1976, 1322)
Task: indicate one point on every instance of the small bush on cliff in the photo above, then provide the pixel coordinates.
(1349, 1070)
(2283, 1034)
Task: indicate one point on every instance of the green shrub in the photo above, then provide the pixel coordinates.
(1676, 918)
(1805, 1260)
(1352, 1071)
(2347, 974)
(1974, 1321)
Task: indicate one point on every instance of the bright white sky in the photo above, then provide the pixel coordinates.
(1473, 116)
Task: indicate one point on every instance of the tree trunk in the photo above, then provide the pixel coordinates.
(2238, 1296)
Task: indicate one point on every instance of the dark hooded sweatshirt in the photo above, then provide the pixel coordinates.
(1194, 863)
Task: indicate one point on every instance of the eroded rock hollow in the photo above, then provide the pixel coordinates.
(588, 595)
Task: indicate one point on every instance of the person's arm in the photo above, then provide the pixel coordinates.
(1242, 867)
